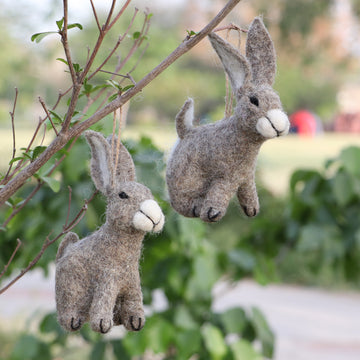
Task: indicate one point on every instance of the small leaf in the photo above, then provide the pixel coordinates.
(79, 26)
(16, 159)
(127, 87)
(136, 34)
(60, 23)
(214, 341)
(53, 183)
(39, 36)
(113, 97)
(62, 60)
(38, 151)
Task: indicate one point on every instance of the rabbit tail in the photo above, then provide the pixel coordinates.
(69, 238)
(184, 119)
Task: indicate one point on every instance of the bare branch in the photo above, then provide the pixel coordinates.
(12, 115)
(95, 15)
(11, 258)
(64, 40)
(65, 136)
(48, 115)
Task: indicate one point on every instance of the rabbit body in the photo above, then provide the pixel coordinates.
(211, 163)
(97, 278)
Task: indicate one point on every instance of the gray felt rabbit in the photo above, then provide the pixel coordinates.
(97, 278)
(211, 163)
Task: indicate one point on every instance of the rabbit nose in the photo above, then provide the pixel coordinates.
(149, 217)
(274, 124)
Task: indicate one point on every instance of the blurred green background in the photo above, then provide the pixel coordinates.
(309, 186)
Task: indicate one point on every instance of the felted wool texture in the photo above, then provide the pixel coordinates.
(211, 163)
(97, 277)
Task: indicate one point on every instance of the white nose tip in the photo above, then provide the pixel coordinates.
(149, 217)
(275, 123)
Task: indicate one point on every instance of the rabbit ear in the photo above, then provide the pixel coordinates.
(125, 168)
(235, 65)
(100, 164)
(260, 52)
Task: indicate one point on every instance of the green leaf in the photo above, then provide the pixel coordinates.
(39, 36)
(127, 87)
(136, 34)
(351, 159)
(62, 60)
(188, 343)
(234, 320)
(16, 159)
(120, 350)
(53, 183)
(38, 151)
(98, 351)
(75, 25)
(264, 333)
(56, 118)
(242, 350)
(183, 318)
(214, 341)
(26, 347)
(343, 188)
(113, 97)
(60, 23)
(242, 258)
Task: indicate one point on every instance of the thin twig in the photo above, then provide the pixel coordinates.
(48, 116)
(11, 258)
(95, 15)
(12, 116)
(117, 17)
(64, 40)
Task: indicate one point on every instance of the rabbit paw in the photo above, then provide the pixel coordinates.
(71, 322)
(211, 214)
(251, 211)
(134, 323)
(102, 325)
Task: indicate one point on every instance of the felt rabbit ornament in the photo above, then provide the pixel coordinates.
(211, 163)
(97, 277)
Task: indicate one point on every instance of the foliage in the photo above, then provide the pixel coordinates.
(183, 262)
(322, 226)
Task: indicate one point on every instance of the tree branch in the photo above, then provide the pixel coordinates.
(65, 136)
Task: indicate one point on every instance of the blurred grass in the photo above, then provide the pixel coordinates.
(277, 160)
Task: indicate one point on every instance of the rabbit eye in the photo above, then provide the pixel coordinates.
(254, 100)
(123, 195)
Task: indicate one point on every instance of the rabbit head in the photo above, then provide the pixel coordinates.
(259, 110)
(129, 204)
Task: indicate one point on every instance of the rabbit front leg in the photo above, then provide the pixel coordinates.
(216, 201)
(131, 309)
(103, 303)
(248, 198)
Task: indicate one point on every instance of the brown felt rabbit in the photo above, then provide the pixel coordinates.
(211, 163)
(97, 278)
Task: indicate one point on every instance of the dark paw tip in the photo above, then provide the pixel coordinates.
(194, 212)
(102, 330)
(132, 324)
(75, 327)
(249, 213)
(213, 217)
